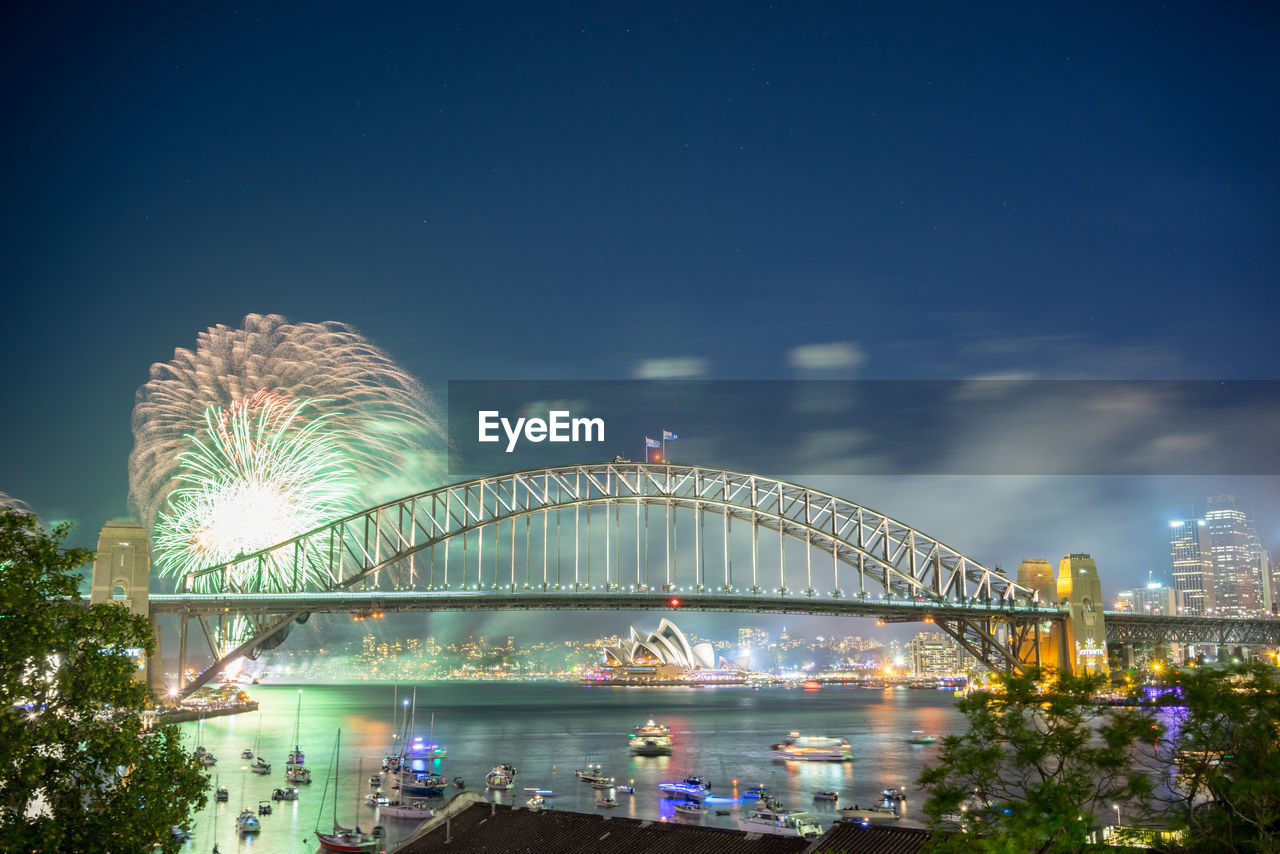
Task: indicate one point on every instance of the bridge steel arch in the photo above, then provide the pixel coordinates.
(381, 549)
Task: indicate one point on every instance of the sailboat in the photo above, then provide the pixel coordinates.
(260, 765)
(343, 839)
(293, 770)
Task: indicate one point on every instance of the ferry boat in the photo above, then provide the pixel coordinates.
(869, 814)
(813, 748)
(775, 819)
(650, 739)
(690, 788)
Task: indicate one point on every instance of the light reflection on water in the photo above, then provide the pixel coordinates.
(546, 730)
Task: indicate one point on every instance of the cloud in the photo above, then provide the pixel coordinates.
(835, 355)
(674, 368)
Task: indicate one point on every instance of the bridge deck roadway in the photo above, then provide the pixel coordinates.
(194, 604)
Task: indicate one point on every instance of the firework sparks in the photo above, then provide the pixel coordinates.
(203, 422)
(262, 472)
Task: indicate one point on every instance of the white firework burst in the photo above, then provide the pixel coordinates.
(378, 418)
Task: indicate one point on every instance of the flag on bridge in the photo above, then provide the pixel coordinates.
(651, 443)
(668, 436)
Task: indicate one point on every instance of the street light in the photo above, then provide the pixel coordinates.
(1117, 806)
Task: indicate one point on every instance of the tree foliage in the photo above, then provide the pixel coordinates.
(1041, 758)
(1220, 766)
(77, 771)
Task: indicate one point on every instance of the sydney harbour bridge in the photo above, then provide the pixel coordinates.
(627, 535)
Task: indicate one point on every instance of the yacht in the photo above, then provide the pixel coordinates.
(406, 809)
(650, 739)
(776, 819)
(813, 748)
(691, 788)
(248, 822)
(869, 814)
(498, 779)
(297, 774)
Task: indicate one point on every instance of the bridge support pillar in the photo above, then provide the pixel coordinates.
(122, 574)
(1084, 636)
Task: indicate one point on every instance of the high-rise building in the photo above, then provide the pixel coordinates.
(1192, 565)
(1234, 549)
(933, 654)
(1155, 598)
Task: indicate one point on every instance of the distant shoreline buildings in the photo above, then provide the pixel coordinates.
(1218, 564)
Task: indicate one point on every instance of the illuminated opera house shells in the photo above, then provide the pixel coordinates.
(661, 656)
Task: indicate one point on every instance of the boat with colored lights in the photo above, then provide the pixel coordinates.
(247, 822)
(650, 739)
(690, 788)
(813, 748)
(918, 737)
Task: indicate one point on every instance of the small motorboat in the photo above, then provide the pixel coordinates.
(459, 783)
(754, 792)
(826, 796)
(602, 783)
(918, 737)
(690, 808)
(289, 793)
(625, 789)
(221, 794)
(246, 754)
(376, 799)
(297, 774)
(376, 781)
(897, 793)
(606, 802)
(247, 822)
(260, 766)
(264, 807)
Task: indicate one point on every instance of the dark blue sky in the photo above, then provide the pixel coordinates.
(510, 191)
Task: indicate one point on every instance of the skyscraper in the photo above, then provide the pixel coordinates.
(1234, 550)
(1192, 566)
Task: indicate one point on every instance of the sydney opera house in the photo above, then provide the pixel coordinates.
(664, 657)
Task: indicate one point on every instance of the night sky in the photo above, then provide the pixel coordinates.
(506, 191)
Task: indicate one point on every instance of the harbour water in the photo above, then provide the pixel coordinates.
(546, 730)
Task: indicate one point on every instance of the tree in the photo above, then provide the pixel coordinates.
(1221, 763)
(77, 770)
(1041, 758)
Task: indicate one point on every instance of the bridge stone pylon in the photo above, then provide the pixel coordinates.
(122, 574)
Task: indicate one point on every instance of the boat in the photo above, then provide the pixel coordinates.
(774, 818)
(289, 793)
(499, 779)
(221, 794)
(247, 822)
(297, 774)
(813, 748)
(650, 739)
(826, 796)
(343, 839)
(296, 756)
(264, 807)
(376, 781)
(260, 766)
(376, 799)
(417, 810)
(246, 754)
(897, 793)
(754, 792)
(606, 802)
(869, 814)
(625, 789)
(690, 788)
(602, 783)
(591, 775)
(536, 801)
(918, 737)
(459, 783)
(811, 685)
(689, 808)
(204, 756)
